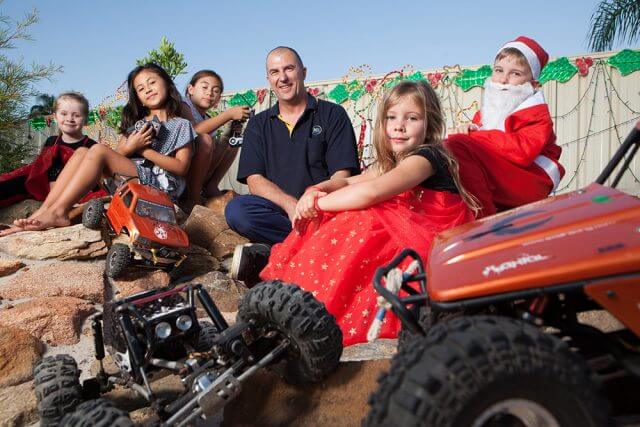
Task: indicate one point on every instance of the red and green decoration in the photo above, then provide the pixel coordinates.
(626, 61)
(468, 79)
(561, 70)
(355, 89)
(249, 99)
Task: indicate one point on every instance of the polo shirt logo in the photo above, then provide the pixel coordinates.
(317, 130)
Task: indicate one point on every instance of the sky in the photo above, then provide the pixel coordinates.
(98, 42)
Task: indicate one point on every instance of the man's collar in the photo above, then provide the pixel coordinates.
(312, 104)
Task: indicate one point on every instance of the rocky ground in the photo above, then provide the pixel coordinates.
(51, 283)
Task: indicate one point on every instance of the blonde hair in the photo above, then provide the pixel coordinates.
(422, 94)
(76, 96)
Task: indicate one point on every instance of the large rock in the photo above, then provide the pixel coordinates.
(18, 406)
(135, 281)
(75, 242)
(199, 261)
(56, 320)
(226, 242)
(19, 352)
(82, 280)
(341, 400)
(219, 203)
(19, 210)
(210, 230)
(8, 267)
(225, 292)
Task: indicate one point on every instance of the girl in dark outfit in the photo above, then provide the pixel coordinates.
(345, 228)
(35, 180)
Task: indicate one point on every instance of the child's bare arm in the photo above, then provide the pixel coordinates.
(178, 164)
(306, 204)
(209, 125)
(409, 173)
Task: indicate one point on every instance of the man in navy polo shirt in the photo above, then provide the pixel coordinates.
(298, 142)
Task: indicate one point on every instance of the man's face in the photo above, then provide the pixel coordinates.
(286, 75)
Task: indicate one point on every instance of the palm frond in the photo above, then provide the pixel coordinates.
(614, 21)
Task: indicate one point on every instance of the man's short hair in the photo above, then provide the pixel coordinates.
(290, 49)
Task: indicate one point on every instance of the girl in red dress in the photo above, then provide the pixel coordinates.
(345, 228)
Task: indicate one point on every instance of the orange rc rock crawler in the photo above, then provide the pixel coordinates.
(502, 317)
(147, 216)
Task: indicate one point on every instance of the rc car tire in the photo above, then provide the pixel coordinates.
(57, 388)
(92, 215)
(118, 259)
(205, 340)
(316, 339)
(472, 370)
(97, 413)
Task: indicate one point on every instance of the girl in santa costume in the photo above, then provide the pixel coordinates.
(156, 147)
(34, 181)
(508, 156)
(346, 228)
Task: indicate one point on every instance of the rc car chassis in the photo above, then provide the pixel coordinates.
(278, 325)
(497, 317)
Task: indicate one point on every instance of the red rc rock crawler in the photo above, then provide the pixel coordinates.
(502, 337)
(147, 216)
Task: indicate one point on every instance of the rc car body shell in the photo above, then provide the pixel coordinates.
(588, 234)
(121, 216)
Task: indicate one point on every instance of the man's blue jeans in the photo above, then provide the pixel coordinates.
(258, 219)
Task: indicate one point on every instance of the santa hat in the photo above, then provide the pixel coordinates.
(536, 56)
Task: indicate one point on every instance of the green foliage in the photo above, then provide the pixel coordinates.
(43, 106)
(167, 57)
(16, 88)
(614, 20)
(12, 156)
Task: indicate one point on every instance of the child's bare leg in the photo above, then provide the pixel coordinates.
(99, 159)
(222, 160)
(55, 191)
(199, 169)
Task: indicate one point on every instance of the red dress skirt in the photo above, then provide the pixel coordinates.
(336, 256)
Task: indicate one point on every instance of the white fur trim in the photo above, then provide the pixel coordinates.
(551, 168)
(531, 56)
(536, 99)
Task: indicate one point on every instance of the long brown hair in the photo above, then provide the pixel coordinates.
(422, 94)
(134, 110)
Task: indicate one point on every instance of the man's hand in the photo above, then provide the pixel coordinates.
(290, 209)
(306, 205)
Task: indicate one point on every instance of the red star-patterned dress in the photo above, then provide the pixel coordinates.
(336, 256)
